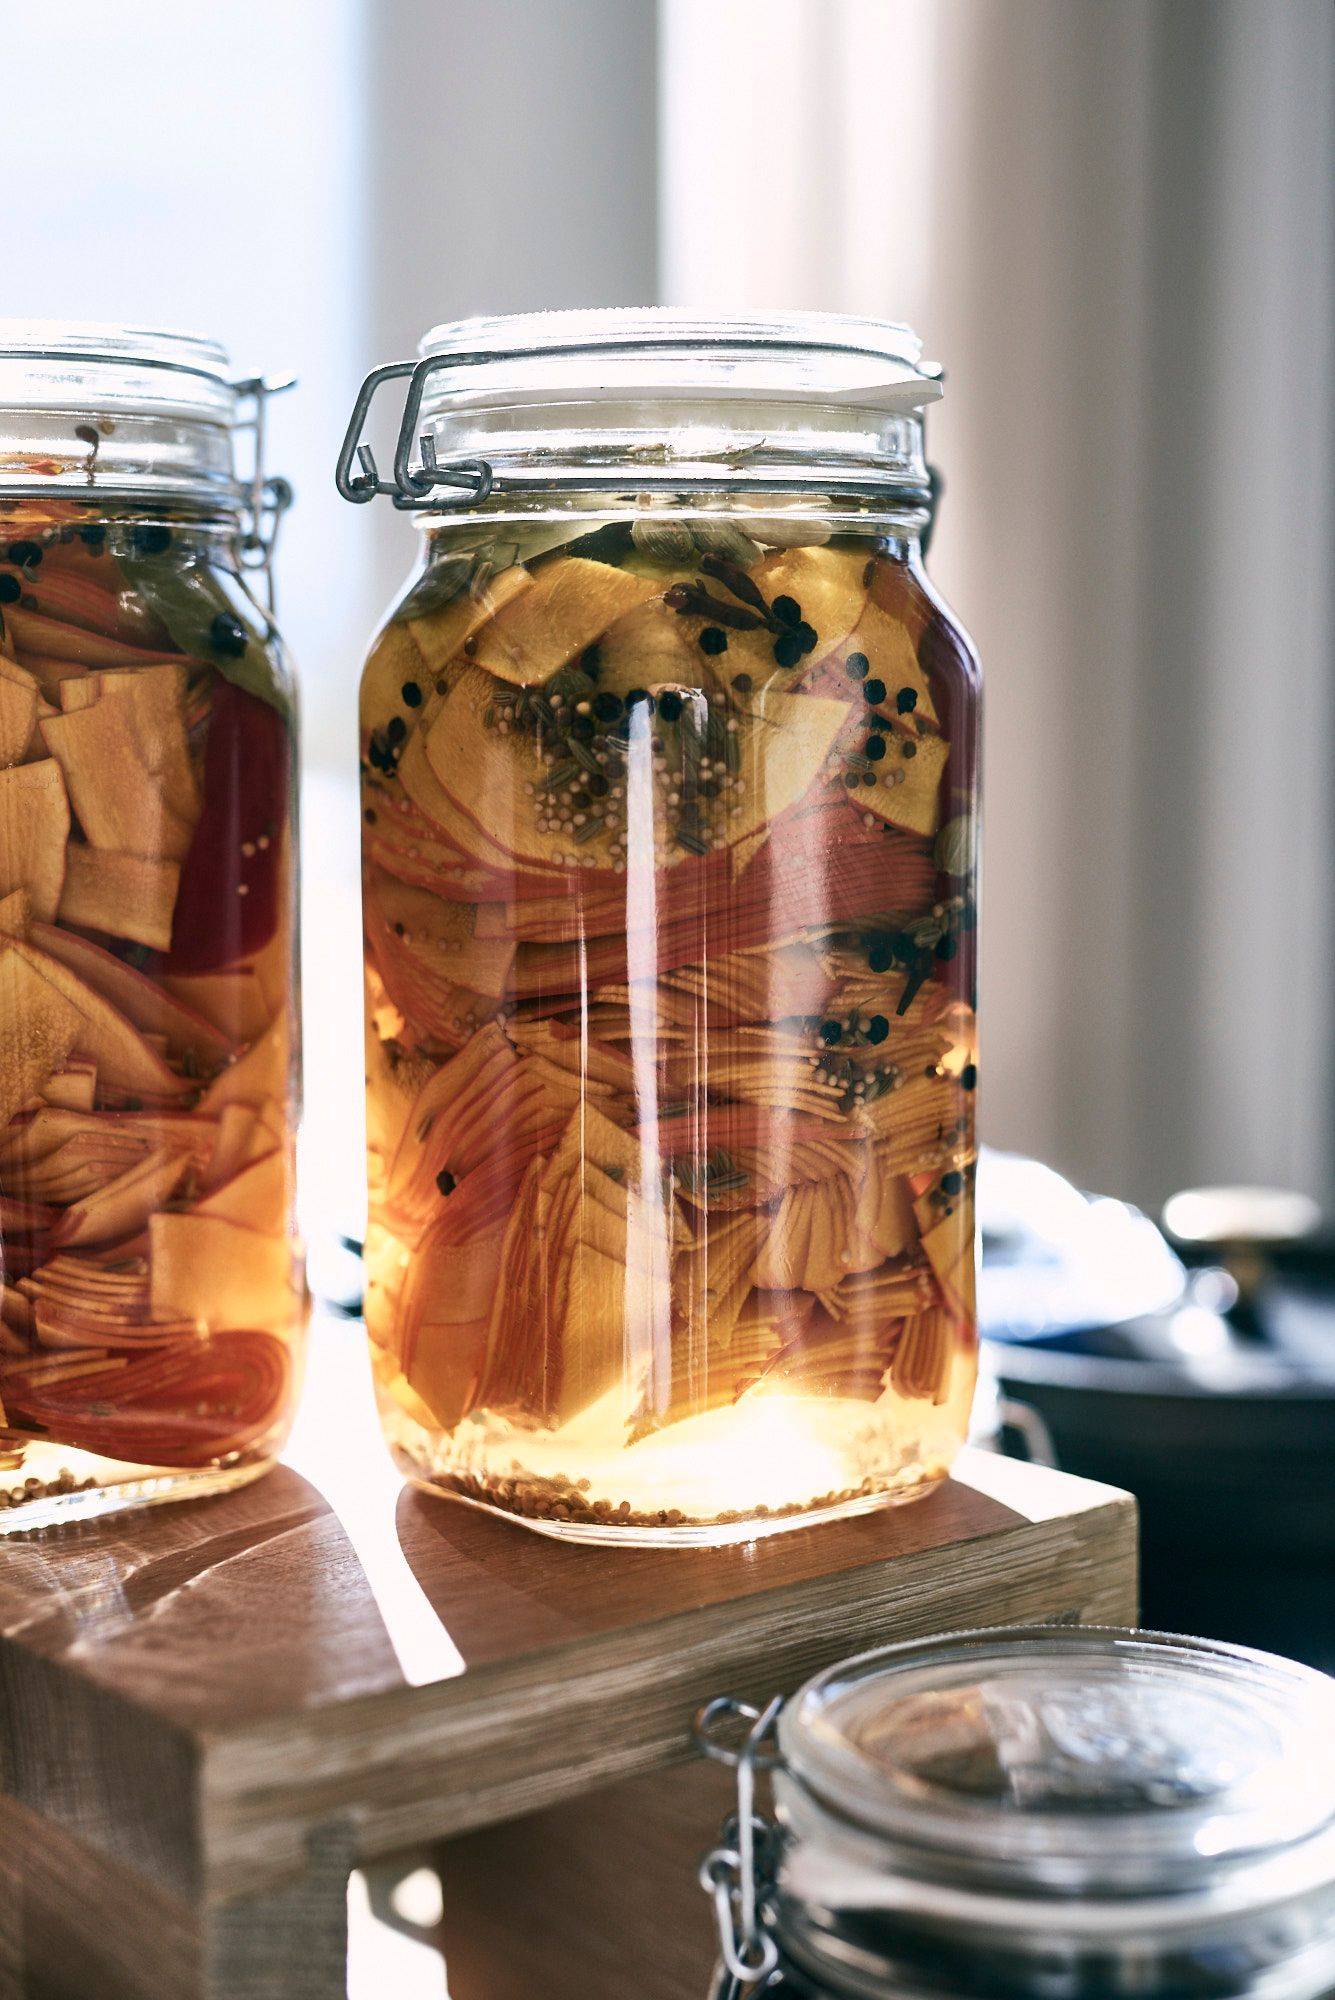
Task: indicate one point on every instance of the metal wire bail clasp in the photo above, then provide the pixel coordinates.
(268, 496)
(732, 1873)
(410, 489)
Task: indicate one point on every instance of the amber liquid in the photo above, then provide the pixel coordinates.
(669, 914)
(153, 1301)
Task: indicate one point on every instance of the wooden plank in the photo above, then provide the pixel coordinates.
(598, 1673)
(79, 1921)
(212, 1699)
(609, 1889)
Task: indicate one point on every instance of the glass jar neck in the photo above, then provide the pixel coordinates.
(147, 460)
(511, 525)
(780, 447)
(160, 524)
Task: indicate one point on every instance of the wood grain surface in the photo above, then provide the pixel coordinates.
(213, 1699)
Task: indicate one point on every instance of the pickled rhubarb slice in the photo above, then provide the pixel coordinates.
(148, 1006)
(441, 634)
(215, 1272)
(570, 601)
(18, 716)
(39, 1026)
(104, 1037)
(34, 827)
(118, 799)
(233, 877)
(125, 895)
(191, 1402)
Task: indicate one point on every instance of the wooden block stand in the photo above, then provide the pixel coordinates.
(212, 1712)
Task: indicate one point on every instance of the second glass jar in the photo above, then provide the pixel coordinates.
(153, 1304)
(669, 807)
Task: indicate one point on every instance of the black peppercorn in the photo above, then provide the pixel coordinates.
(669, 706)
(226, 634)
(743, 683)
(445, 1181)
(396, 729)
(151, 541)
(11, 590)
(787, 610)
(788, 649)
(26, 554)
(969, 1077)
(875, 748)
(952, 1182)
(873, 692)
(857, 666)
(830, 1033)
(878, 1029)
(906, 700)
(880, 958)
(607, 707)
(412, 694)
(713, 639)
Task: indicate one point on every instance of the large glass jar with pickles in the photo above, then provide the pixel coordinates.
(152, 1308)
(669, 797)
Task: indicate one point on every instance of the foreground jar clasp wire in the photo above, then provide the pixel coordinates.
(733, 1872)
(268, 495)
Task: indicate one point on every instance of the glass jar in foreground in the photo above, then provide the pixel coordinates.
(153, 1307)
(1030, 1813)
(669, 796)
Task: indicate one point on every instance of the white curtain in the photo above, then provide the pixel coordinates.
(1114, 224)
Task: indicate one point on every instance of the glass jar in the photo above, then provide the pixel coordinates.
(1037, 1814)
(153, 1309)
(669, 796)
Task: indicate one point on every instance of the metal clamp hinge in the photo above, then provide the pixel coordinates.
(268, 496)
(469, 481)
(469, 478)
(736, 1872)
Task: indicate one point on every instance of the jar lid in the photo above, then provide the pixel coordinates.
(117, 411)
(628, 398)
(663, 352)
(1066, 1760)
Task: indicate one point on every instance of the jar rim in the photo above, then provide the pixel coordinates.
(110, 411)
(1073, 1758)
(154, 370)
(618, 352)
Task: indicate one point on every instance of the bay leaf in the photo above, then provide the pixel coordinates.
(190, 599)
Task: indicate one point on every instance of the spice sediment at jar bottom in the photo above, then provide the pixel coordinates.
(668, 892)
(152, 1300)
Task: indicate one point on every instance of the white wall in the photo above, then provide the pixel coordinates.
(511, 165)
(1114, 225)
(184, 164)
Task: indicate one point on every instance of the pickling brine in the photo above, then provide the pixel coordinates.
(153, 1306)
(669, 831)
